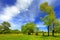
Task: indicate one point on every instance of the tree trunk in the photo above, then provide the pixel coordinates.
(53, 30)
(36, 33)
(43, 33)
(48, 30)
(29, 33)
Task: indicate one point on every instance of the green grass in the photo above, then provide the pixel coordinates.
(28, 37)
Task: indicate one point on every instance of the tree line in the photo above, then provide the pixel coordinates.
(28, 28)
(49, 19)
(5, 28)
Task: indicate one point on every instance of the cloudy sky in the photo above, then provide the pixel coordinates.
(19, 12)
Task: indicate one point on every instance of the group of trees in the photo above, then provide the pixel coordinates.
(4, 27)
(49, 19)
(57, 27)
(29, 28)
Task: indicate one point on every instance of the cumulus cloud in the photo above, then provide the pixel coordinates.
(10, 11)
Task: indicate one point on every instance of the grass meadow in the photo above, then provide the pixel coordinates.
(29, 37)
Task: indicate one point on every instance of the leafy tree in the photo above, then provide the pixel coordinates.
(5, 26)
(28, 28)
(1, 28)
(23, 29)
(57, 27)
(49, 19)
(37, 30)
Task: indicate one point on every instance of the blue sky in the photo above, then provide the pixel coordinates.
(19, 12)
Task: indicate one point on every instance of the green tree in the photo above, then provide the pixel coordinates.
(23, 29)
(36, 30)
(5, 26)
(49, 19)
(57, 27)
(1, 28)
(28, 28)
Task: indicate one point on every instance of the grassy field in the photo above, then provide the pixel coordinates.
(28, 37)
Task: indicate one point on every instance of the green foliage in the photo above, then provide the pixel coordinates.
(36, 30)
(6, 24)
(57, 26)
(14, 31)
(28, 28)
(49, 19)
(4, 27)
(43, 6)
(1, 27)
(48, 9)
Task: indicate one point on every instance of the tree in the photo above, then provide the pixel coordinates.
(49, 19)
(1, 28)
(37, 30)
(5, 26)
(23, 29)
(28, 28)
(57, 27)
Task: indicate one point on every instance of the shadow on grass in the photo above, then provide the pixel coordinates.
(56, 36)
(51, 36)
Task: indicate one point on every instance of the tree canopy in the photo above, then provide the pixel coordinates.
(49, 18)
(28, 28)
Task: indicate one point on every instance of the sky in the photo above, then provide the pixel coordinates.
(19, 12)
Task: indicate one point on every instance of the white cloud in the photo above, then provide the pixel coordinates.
(23, 4)
(10, 11)
(40, 24)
